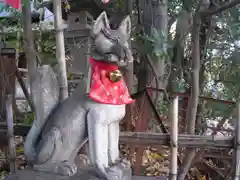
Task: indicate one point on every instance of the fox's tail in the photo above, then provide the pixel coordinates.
(46, 98)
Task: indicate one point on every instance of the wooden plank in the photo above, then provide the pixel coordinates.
(148, 178)
(209, 99)
(147, 138)
(185, 140)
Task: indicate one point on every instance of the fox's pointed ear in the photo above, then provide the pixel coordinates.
(100, 23)
(125, 26)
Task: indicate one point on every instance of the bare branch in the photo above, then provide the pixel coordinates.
(222, 8)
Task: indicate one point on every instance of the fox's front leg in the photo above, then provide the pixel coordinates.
(113, 142)
(113, 145)
(119, 168)
(98, 138)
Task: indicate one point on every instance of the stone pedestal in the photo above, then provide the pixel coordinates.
(34, 175)
(82, 174)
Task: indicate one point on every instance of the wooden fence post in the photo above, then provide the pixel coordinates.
(7, 77)
(10, 132)
(174, 138)
(60, 49)
(236, 154)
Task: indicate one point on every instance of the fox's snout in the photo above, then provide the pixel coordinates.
(120, 51)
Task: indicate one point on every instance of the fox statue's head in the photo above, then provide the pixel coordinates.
(111, 45)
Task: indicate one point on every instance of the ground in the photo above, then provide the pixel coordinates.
(154, 163)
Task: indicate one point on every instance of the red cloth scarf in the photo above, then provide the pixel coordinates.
(102, 89)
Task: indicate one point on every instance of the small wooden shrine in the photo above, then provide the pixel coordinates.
(7, 76)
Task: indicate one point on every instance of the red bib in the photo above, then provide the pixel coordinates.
(102, 89)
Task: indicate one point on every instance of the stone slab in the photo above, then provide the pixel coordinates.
(34, 175)
(81, 175)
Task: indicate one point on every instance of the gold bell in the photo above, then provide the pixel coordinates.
(115, 75)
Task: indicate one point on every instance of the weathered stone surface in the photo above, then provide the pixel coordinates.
(48, 90)
(34, 175)
(83, 174)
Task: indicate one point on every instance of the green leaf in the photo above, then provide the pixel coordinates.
(29, 117)
(20, 150)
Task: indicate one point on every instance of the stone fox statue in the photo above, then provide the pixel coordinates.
(52, 144)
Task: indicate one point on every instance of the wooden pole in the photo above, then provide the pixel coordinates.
(10, 127)
(174, 139)
(29, 47)
(31, 56)
(237, 146)
(60, 49)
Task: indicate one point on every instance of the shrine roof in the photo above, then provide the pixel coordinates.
(94, 7)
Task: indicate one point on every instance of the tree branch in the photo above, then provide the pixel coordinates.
(222, 8)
